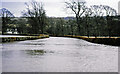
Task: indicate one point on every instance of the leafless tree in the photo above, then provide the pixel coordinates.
(88, 14)
(78, 7)
(36, 15)
(6, 16)
(98, 12)
(110, 12)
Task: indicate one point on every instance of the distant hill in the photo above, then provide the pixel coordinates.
(69, 18)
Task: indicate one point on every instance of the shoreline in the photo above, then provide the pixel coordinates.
(114, 41)
(22, 38)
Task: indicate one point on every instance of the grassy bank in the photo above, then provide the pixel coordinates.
(22, 38)
(115, 41)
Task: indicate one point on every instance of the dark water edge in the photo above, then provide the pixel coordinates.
(107, 41)
(11, 39)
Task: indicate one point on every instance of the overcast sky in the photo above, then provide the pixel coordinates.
(53, 7)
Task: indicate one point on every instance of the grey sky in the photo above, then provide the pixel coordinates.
(53, 7)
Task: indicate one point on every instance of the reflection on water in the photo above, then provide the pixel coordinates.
(59, 54)
(35, 52)
(35, 44)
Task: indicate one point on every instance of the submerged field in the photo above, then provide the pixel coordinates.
(59, 54)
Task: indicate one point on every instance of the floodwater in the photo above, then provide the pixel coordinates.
(58, 54)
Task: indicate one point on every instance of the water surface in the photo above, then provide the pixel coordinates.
(59, 54)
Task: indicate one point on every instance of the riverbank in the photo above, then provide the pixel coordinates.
(11, 38)
(100, 40)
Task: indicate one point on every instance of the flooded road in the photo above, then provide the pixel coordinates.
(58, 54)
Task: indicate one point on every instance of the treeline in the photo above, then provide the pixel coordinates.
(97, 20)
(63, 26)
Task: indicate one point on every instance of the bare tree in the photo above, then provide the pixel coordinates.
(6, 16)
(110, 12)
(103, 10)
(88, 14)
(36, 16)
(79, 8)
(98, 12)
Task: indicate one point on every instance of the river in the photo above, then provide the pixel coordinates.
(58, 54)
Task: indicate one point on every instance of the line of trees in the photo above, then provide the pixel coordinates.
(96, 20)
(96, 16)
